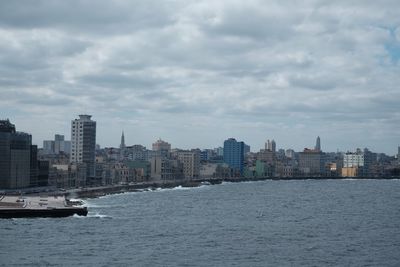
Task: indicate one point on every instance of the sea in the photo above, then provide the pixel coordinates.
(267, 223)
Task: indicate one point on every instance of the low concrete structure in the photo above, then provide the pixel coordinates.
(38, 206)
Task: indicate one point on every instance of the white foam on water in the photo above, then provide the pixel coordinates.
(98, 215)
(76, 199)
(92, 215)
(91, 205)
(179, 187)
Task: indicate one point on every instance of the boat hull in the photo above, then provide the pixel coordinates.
(52, 212)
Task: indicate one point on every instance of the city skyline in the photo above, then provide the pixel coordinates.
(268, 144)
(198, 73)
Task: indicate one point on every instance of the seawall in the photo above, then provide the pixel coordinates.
(93, 192)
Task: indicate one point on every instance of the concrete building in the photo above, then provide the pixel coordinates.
(263, 169)
(191, 163)
(15, 157)
(234, 155)
(246, 149)
(311, 162)
(161, 148)
(166, 169)
(207, 154)
(267, 156)
(59, 176)
(83, 143)
(318, 144)
(208, 170)
(142, 169)
(353, 159)
(289, 153)
(219, 151)
(56, 146)
(136, 152)
(270, 145)
(398, 154)
(349, 172)
(361, 160)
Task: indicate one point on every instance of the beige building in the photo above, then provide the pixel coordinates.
(161, 145)
(191, 163)
(349, 171)
(266, 155)
(165, 169)
(83, 143)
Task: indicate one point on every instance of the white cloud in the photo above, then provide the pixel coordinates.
(250, 69)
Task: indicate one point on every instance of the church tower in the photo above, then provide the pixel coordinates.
(122, 145)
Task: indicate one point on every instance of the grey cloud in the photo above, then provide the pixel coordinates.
(81, 15)
(134, 81)
(234, 67)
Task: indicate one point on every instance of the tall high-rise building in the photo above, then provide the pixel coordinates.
(234, 154)
(398, 153)
(15, 157)
(191, 163)
(270, 145)
(57, 146)
(83, 143)
(318, 144)
(273, 146)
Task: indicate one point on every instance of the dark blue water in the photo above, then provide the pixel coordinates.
(271, 223)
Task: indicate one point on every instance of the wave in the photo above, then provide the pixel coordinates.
(95, 215)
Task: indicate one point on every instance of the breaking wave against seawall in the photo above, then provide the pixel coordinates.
(296, 223)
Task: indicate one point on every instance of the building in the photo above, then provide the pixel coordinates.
(318, 144)
(267, 156)
(246, 149)
(234, 154)
(161, 145)
(161, 148)
(136, 152)
(311, 162)
(353, 159)
(166, 169)
(263, 169)
(56, 146)
(362, 160)
(43, 173)
(349, 172)
(208, 170)
(15, 157)
(270, 145)
(19, 165)
(122, 147)
(219, 151)
(289, 153)
(191, 163)
(207, 154)
(83, 143)
(142, 170)
(398, 154)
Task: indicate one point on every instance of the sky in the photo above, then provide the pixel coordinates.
(195, 73)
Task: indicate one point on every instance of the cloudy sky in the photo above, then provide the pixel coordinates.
(197, 72)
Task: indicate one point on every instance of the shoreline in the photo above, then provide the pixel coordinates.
(95, 192)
